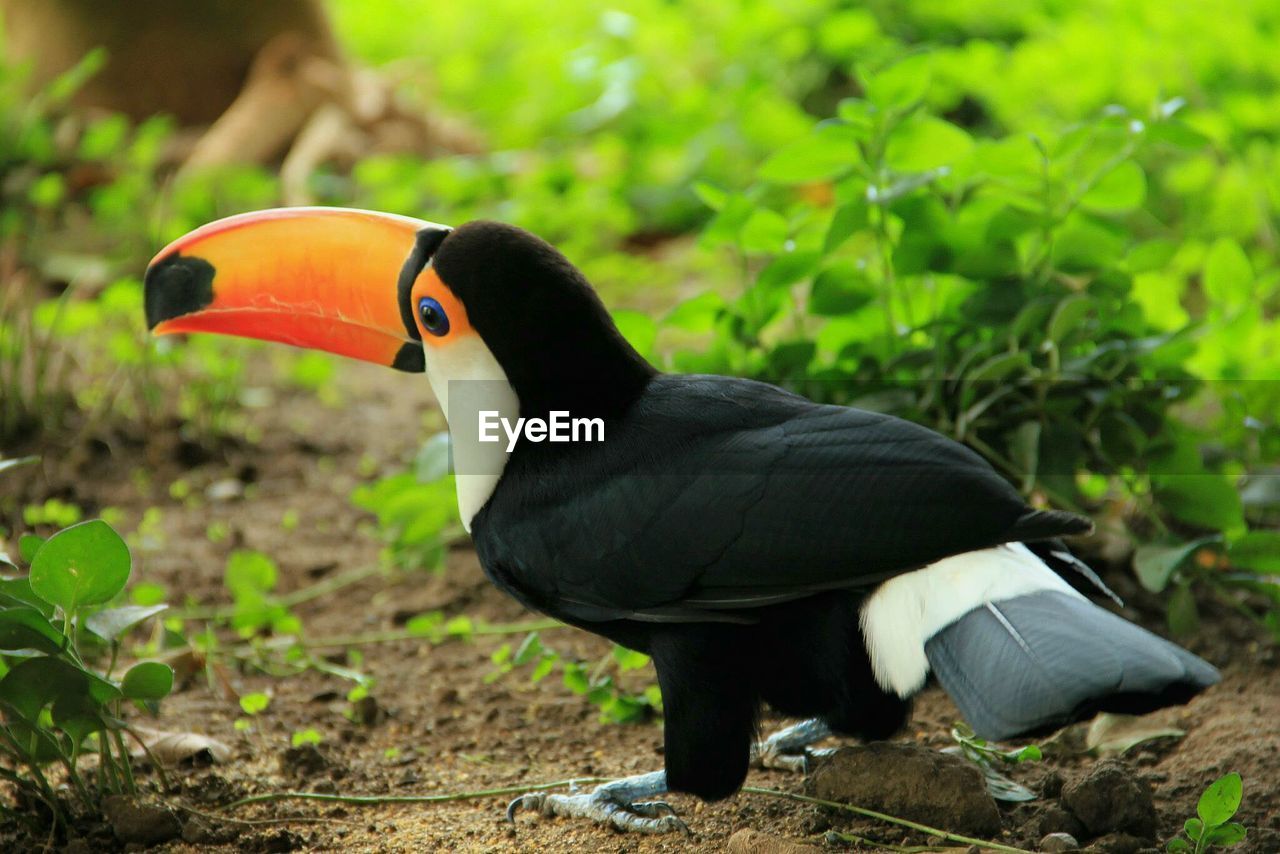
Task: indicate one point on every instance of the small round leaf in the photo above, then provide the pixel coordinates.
(148, 680)
(85, 564)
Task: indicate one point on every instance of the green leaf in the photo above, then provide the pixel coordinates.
(529, 649)
(1232, 833)
(629, 659)
(575, 679)
(18, 591)
(1194, 828)
(1150, 255)
(765, 232)
(1120, 190)
(640, 330)
(840, 289)
(697, 314)
(28, 545)
(26, 628)
(901, 85)
(111, 623)
(249, 572)
(148, 680)
(1067, 316)
(1155, 563)
(1177, 845)
(1205, 500)
(256, 703)
(998, 367)
(710, 195)
(1183, 615)
(1228, 275)
(1221, 800)
(830, 151)
(38, 682)
(86, 564)
(848, 219)
(925, 142)
(1257, 551)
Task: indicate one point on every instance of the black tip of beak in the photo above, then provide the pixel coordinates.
(176, 285)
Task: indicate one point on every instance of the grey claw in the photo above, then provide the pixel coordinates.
(530, 801)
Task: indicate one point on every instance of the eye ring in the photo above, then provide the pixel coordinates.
(434, 320)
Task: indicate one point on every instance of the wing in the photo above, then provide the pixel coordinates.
(715, 495)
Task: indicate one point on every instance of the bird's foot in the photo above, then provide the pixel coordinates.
(618, 804)
(788, 749)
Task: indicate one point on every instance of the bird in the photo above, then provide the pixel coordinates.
(765, 550)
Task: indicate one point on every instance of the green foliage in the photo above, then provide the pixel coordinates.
(417, 511)
(1213, 825)
(986, 756)
(56, 703)
(617, 703)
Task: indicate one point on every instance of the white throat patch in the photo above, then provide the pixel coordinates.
(467, 379)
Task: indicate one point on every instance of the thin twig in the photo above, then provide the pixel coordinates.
(879, 816)
(374, 800)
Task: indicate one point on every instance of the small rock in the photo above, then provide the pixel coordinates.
(227, 489)
(1111, 797)
(1058, 842)
(145, 824)
(1056, 820)
(748, 841)
(1118, 843)
(912, 782)
(304, 760)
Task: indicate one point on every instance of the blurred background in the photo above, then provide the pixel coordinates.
(1045, 228)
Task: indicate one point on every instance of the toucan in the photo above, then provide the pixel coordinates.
(763, 549)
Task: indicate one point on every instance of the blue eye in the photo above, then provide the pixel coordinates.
(434, 320)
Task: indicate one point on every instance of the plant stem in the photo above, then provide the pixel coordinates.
(879, 816)
(374, 800)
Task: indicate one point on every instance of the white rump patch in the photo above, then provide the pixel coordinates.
(908, 609)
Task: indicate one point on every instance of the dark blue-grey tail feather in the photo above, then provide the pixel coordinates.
(1035, 662)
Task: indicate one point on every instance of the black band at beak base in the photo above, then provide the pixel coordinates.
(425, 244)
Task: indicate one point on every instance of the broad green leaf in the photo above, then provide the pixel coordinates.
(1221, 800)
(250, 572)
(829, 152)
(697, 314)
(18, 591)
(1228, 275)
(148, 680)
(1232, 833)
(1257, 551)
(1193, 827)
(711, 195)
(37, 682)
(111, 623)
(764, 232)
(26, 628)
(28, 545)
(638, 328)
(998, 367)
(900, 85)
(1205, 500)
(1067, 316)
(629, 659)
(86, 564)
(787, 269)
(1155, 563)
(840, 289)
(848, 219)
(1177, 845)
(255, 703)
(1120, 190)
(925, 142)
(1150, 255)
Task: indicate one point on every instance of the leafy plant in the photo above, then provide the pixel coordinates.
(617, 704)
(986, 756)
(1213, 824)
(54, 622)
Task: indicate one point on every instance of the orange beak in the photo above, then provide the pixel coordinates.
(322, 278)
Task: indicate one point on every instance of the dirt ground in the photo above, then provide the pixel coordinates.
(443, 729)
